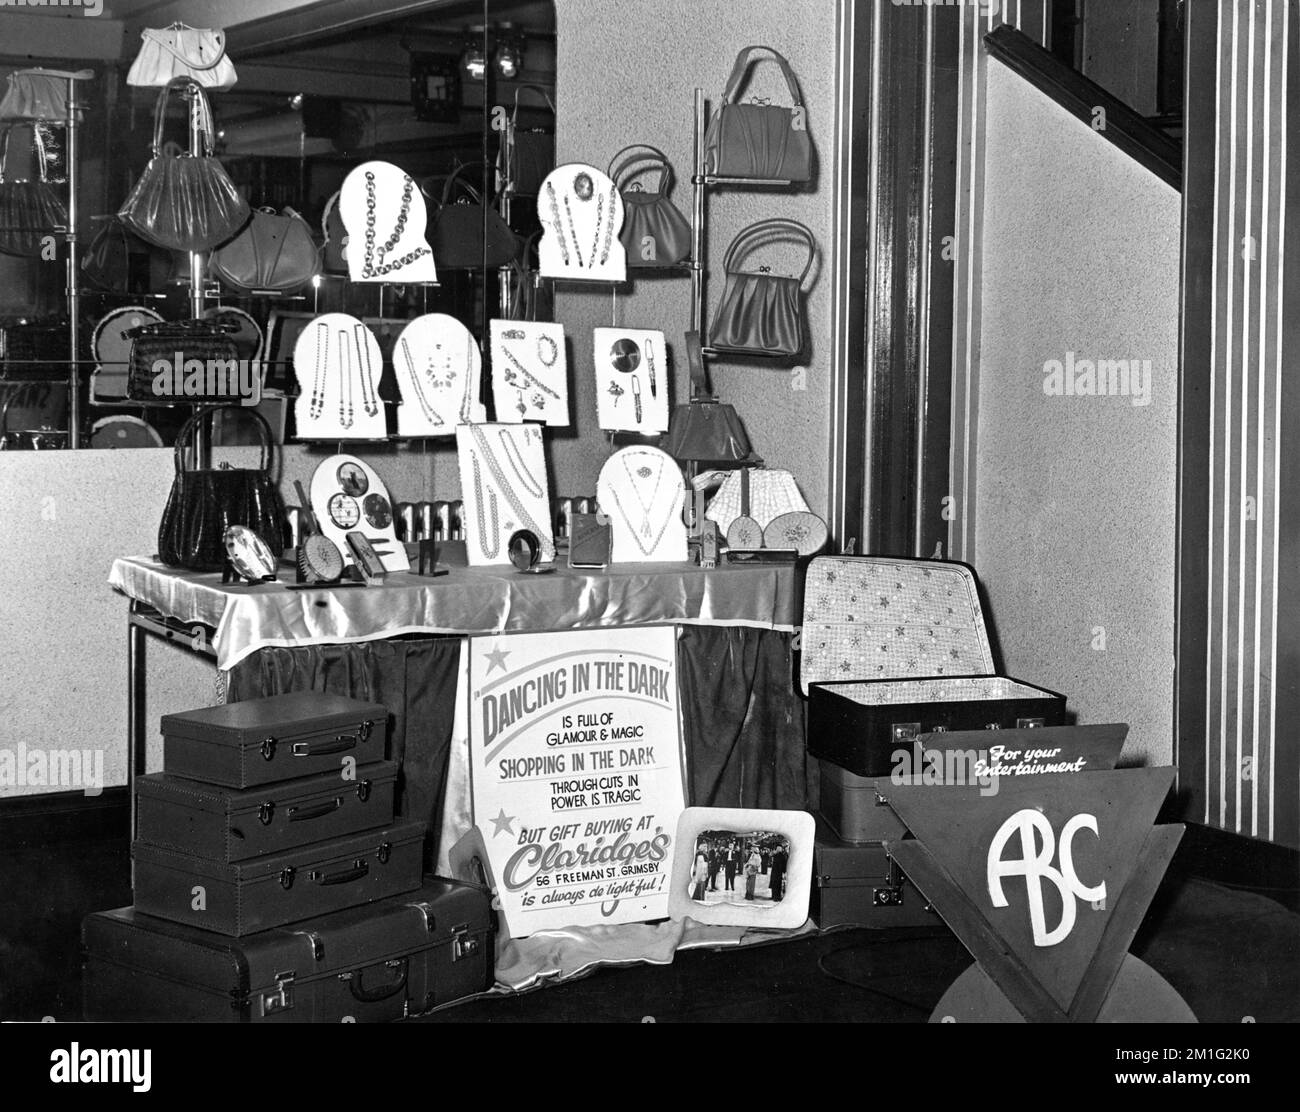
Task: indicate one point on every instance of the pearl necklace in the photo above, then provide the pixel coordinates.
(518, 466)
(483, 535)
(429, 413)
(498, 477)
(345, 389)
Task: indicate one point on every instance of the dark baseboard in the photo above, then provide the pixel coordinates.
(1238, 862)
(36, 820)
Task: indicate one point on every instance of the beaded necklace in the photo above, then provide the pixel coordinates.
(369, 396)
(318, 387)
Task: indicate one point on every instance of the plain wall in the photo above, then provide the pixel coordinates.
(1076, 498)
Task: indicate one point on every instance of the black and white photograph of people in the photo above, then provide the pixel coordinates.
(739, 867)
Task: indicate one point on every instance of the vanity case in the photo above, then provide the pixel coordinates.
(862, 886)
(374, 964)
(894, 648)
(281, 737)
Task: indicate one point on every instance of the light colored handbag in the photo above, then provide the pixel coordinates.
(167, 53)
(39, 94)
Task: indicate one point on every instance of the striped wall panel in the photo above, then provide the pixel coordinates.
(1237, 758)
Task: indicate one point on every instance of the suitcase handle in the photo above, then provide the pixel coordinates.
(373, 995)
(347, 876)
(305, 814)
(317, 748)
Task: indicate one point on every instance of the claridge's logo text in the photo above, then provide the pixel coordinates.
(88, 7)
(207, 379)
(120, 1067)
(77, 769)
(1107, 378)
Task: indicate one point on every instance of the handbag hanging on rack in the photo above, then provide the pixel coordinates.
(274, 253)
(176, 343)
(760, 141)
(187, 203)
(530, 296)
(527, 154)
(196, 53)
(456, 220)
(204, 502)
(655, 234)
(39, 94)
(761, 313)
(30, 210)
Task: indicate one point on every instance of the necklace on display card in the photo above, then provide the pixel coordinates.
(581, 213)
(530, 372)
(439, 370)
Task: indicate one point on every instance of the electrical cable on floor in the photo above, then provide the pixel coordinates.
(821, 965)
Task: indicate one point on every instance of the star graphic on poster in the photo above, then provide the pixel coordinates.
(502, 822)
(497, 659)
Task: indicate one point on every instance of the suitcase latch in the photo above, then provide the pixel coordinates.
(265, 811)
(906, 731)
(363, 730)
(281, 1000)
(889, 896)
(463, 944)
(1030, 723)
(430, 920)
(267, 748)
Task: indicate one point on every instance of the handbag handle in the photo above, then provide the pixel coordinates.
(652, 156)
(745, 59)
(153, 34)
(203, 108)
(540, 91)
(750, 238)
(38, 145)
(186, 434)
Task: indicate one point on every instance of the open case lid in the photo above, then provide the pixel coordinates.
(883, 617)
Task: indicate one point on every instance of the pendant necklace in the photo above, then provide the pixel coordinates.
(369, 398)
(645, 551)
(491, 550)
(647, 504)
(322, 356)
(429, 413)
(345, 393)
(557, 223)
(519, 466)
(499, 478)
(509, 374)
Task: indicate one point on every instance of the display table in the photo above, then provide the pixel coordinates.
(400, 644)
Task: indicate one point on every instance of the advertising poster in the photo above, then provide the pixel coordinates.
(577, 773)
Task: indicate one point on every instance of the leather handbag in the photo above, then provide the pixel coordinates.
(761, 313)
(761, 141)
(334, 255)
(655, 234)
(187, 203)
(39, 94)
(175, 343)
(456, 225)
(274, 253)
(705, 430)
(197, 54)
(29, 210)
(527, 154)
(203, 502)
(107, 261)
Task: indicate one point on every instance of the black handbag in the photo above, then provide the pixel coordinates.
(655, 234)
(187, 203)
(160, 354)
(527, 154)
(456, 225)
(203, 503)
(30, 210)
(762, 141)
(761, 313)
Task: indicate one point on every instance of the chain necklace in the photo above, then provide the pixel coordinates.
(595, 239)
(498, 476)
(609, 229)
(646, 504)
(509, 374)
(429, 413)
(466, 411)
(518, 465)
(556, 222)
(369, 270)
(483, 536)
(369, 398)
(322, 356)
(547, 343)
(573, 231)
(645, 551)
(345, 392)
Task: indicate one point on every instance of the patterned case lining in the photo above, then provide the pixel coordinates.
(872, 619)
(930, 690)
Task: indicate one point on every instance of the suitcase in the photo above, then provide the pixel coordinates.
(894, 648)
(262, 741)
(861, 885)
(382, 962)
(226, 825)
(247, 896)
(855, 807)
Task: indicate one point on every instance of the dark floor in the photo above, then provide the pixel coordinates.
(1230, 953)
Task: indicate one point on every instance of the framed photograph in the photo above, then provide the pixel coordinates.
(742, 867)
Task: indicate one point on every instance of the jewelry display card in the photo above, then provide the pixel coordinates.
(348, 496)
(337, 363)
(581, 213)
(530, 373)
(384, 216)
(641, 492)
(439, 371)
(631, 380)
(503, 489)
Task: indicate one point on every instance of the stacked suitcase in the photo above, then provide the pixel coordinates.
(271, 880)
(891, 649)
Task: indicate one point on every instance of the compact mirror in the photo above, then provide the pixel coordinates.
(248, 554)
(625, 356)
